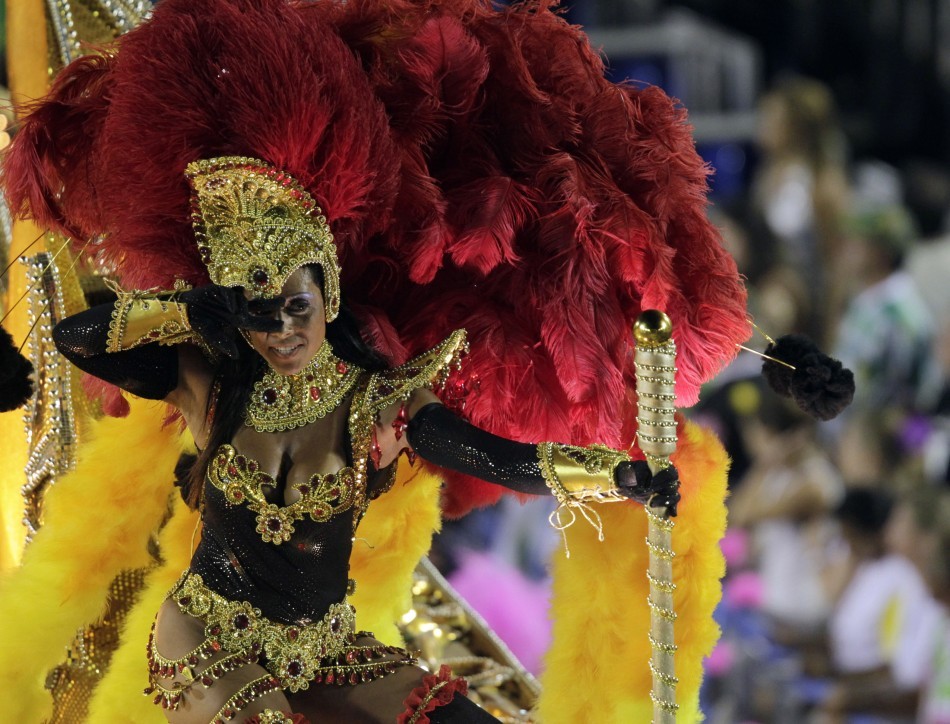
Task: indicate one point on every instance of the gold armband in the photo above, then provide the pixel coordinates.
(578, 476)
(142, 318)
(581, 473)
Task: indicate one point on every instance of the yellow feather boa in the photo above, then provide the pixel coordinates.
(118, 698)
(396, 532)
(98, 520)
(597, 666)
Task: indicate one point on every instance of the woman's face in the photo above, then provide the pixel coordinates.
(303, 329)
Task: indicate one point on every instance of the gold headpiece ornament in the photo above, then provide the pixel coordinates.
(256, 225)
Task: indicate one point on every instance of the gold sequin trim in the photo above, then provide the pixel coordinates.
(430, 695)
(242, 481)
(293, 652)
(284, 402)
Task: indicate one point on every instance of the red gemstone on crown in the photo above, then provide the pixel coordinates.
(292, 634)
(259, 277)
(335, 624)
(294, 668)
(241, 621)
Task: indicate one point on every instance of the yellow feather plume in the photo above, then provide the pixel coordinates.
(118, 698)
(98, 521)
(597, 667)
(396, 532)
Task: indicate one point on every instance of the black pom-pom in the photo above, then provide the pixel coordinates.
(16, 386)
(819, 384)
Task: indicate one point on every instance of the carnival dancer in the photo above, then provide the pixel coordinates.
(243, 168)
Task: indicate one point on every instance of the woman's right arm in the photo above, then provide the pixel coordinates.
(136, 343)
(149, 371)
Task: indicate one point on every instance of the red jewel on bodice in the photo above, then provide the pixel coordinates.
(314, 393)
(269, 396)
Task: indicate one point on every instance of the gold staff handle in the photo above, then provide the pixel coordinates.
(655, 361)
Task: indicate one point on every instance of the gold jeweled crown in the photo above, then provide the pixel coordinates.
(256, 225)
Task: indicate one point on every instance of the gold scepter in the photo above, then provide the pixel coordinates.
(655, 361)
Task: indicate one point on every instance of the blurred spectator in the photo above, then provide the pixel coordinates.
(886, 334)
(784, 500)
(869, 447)
(935, 564)
(801, 185)
(917, 532)
(877, 631)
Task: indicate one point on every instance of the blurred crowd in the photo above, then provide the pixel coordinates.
(835, 602)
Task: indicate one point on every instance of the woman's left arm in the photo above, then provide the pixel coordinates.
(441, 437)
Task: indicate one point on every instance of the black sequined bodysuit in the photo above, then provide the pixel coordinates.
(289, 561)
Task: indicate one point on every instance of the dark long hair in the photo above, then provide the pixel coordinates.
(234, 379)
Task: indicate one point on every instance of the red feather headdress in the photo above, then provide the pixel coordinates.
(476, 168)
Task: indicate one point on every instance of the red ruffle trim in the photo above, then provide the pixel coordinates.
(295, 718)
(435, 690)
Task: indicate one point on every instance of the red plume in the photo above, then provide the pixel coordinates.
(476, 167)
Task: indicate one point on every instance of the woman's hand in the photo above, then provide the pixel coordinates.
(661, 490)
(216, 314)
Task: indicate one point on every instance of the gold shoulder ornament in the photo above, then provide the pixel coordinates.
(429, 369)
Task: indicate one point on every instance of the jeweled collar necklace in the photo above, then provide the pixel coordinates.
(283, 402)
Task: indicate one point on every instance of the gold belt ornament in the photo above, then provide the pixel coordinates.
(293, 653)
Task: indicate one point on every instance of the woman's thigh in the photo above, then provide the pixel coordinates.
(372, 702)
(177, 635)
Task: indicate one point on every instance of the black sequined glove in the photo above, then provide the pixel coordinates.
(217, 314)
(661, 490)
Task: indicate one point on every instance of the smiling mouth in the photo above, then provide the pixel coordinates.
(285, 352)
